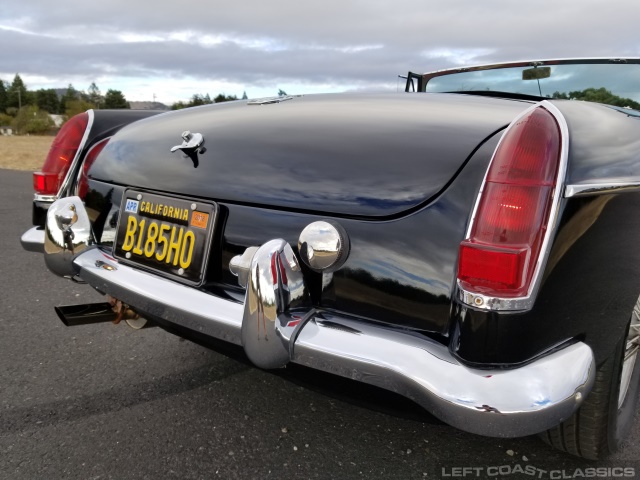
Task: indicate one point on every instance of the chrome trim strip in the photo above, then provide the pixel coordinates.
(485, 302)
(44, 198)
(33, 240)
(529, 63)
(163, 298)
(68, 179)
(600, 189)
(76, 185)
(500, 403)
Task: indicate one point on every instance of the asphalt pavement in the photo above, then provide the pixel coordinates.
(110, 402)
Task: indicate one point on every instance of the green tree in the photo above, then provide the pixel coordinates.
(197, 100)
(115, 99)
(5, 119)
(17, 94)
(3, 97)
(31, 119)
(47, 99)
(244, 95)
(74, 107)
(282, 93)
(224, 98)
(70, 95)
(599, 95)
(178, 106)
(94, 96)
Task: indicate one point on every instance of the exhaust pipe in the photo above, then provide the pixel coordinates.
(74, 315)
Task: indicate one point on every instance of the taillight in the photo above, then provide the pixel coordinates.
(62, 152)
(83, 181)
(499, 256)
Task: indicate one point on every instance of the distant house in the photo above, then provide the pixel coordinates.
(6, 130)
(58, 120)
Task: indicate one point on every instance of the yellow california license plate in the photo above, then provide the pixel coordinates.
(168, 235)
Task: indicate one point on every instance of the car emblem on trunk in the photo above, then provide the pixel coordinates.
(191, 146)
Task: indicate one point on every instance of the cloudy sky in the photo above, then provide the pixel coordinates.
(174, 49)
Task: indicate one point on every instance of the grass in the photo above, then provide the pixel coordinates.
(24, 152)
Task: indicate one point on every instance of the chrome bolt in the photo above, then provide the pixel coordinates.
(128, 255)
(578, 397)
(193, 206)
(139, 197)
(181, 271)
(479, 301)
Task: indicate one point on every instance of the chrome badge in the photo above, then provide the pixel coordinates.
(192, 145)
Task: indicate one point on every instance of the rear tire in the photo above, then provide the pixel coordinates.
(600, 425)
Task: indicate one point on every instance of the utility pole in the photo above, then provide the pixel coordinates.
(19, 108)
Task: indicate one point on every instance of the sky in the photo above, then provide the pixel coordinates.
(170, 50)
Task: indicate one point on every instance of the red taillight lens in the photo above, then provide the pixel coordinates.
(61, 154)
(500, 254)
(83, 183)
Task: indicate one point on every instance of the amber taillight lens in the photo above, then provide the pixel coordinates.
(62, 152)
(499, 256)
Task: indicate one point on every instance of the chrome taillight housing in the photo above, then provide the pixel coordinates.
(500, 257)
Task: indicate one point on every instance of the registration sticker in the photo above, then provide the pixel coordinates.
(131, 206)
(199, 219)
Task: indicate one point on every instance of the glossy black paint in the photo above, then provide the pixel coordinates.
(346, 155)
(590, 287)
(592, 279)
(401, 270)
(605, 143)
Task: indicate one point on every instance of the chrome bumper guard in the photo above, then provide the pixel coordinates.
(276, 325)
(33, 240)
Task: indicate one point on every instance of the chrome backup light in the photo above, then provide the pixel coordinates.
(323, 246)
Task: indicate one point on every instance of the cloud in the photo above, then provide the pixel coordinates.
(330, 45)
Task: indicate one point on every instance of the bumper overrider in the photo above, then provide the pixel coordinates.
(276, 325)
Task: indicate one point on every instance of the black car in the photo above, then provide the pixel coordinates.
(470, 243)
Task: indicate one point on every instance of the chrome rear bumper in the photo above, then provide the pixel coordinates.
(503, 403)
(33, 240)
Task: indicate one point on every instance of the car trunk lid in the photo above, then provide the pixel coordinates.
(344, 155)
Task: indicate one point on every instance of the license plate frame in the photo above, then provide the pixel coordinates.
(184, 223)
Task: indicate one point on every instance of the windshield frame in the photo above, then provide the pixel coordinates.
(423, 79)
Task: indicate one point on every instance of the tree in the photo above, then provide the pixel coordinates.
(600, 95)
(94, 96)
(31, 119)
(74, 107)
(3, 97)
(70, 95)
(17, 94)
(224, 98)
(197, 100)
(282, 93)
(115, 99)
(244, 95)
(47, 99)
(5, 119)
